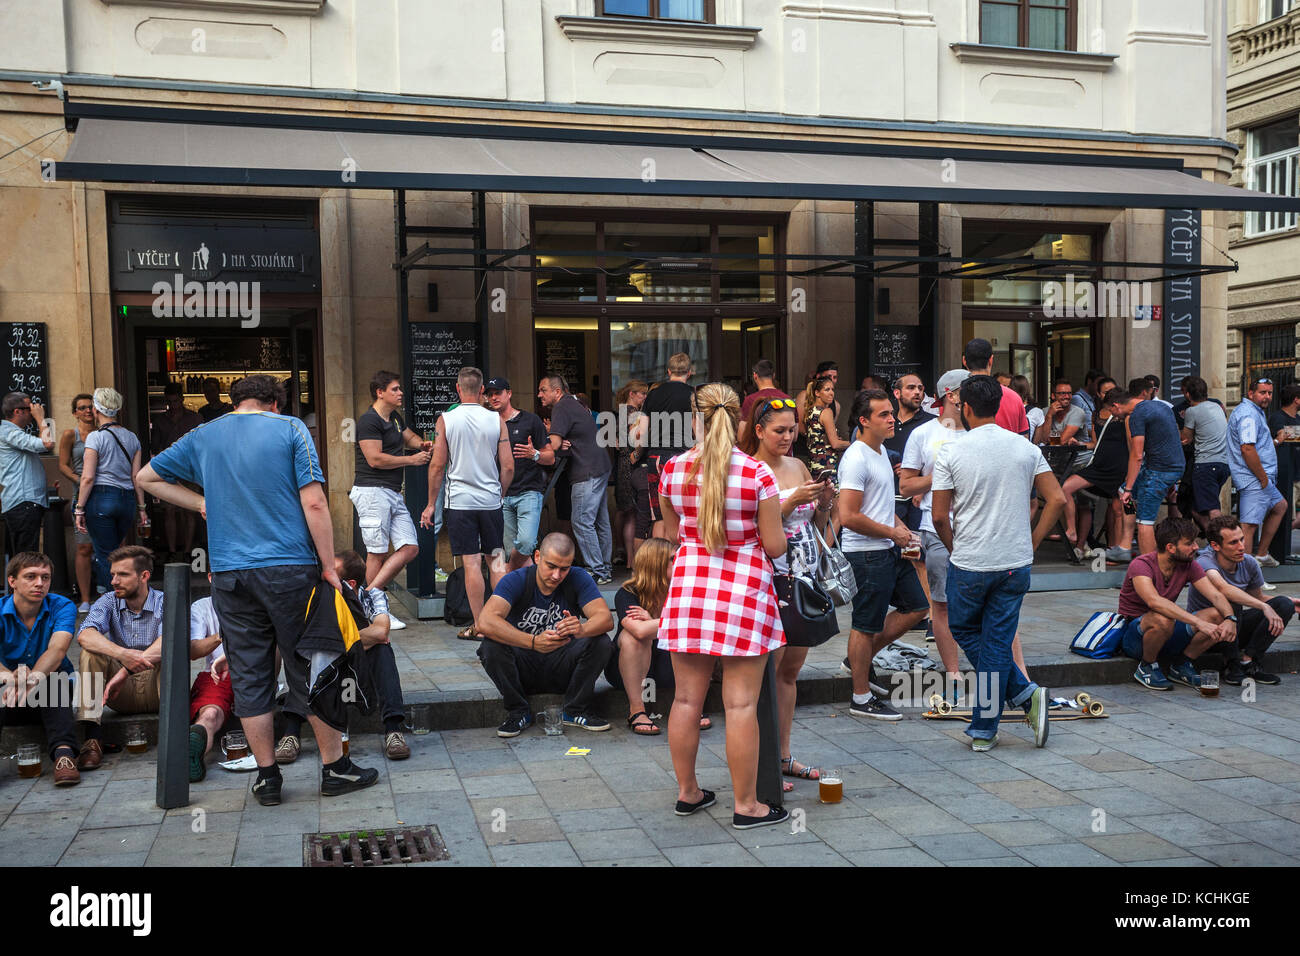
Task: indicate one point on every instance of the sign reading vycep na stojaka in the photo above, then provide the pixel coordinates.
(1182, 312)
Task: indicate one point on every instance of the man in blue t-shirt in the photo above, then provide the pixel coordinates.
(1155, 462)
(35, 631)
(270, 543)
(535, 642)
(1252, 461)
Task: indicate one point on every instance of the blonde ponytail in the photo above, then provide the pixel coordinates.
(719, 406)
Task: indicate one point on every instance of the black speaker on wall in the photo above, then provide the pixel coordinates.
(433, 297)
(882, 302)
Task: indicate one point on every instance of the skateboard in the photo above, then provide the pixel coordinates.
(1087, 709)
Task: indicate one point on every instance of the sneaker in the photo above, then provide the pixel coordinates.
(395, 746)
(198, 746)
(395, 623)
(979, 745)
(876, 683)
(514, 725)
(83, 608)
(874, 707)
(439, 575)
(1267, 561)
(845, 670)
(593, 722)
(1233, 673)
(1259, 676)
(603, 579)
(267, 790)
(929, 631)
(707, 799)
(335, 783)
(1037, 716)
(1184, 673)
(1148, 675)
(287, 750)
(1268, 587)
(1119, 555)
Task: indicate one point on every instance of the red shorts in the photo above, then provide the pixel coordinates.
(206, 692)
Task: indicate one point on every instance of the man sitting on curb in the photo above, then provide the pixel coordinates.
(537, 644)
(35, 631)
(1157, 626)
(121, 642)
(351, 569)
(1237, 576)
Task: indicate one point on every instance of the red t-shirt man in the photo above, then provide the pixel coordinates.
(1011, 413)
(753, 398)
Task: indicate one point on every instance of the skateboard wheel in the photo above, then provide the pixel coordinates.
(935, 700)
(1083, 698)
(943, 706)
(1095, 709)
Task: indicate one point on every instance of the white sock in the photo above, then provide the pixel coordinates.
(863, 698)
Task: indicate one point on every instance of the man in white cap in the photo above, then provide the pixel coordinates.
(914, 479)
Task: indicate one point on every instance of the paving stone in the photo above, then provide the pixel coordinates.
(857, 834)
(500, 785)
(1123, 801)
(1131, 847)
(195, 849)
(339, 821)
(959, 846)
(197, 820)
(422, 781)
(567, 768)
(479, 762)
(521, 831)
(487, 809)
(1199, 769)
(1244, 854)
(993, 861)
(906, 856)
(1281, 835)
(919, 821)
(555, 853)
(711, 854)
(805, 854)
(659, 860)
(563, 795)
(1254, 791)
(1027, 794)
(612, 844)
(976, 806)
(35, 850)
(1017, 833)
(1064, 854)
(583, 821)
(1184, 829)
(125, 846)
(667, 830)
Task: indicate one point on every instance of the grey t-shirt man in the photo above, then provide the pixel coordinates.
(1247, 576)
(990, 473)
(1080, 419)
(1210, 432)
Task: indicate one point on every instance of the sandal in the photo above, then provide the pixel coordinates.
(468, 634)
(787, 770)
(644, 728)
(705, 722)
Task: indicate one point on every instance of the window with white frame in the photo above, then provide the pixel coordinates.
(1273, 166)
(1272, 9)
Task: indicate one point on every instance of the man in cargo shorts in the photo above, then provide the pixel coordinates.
(271, 542)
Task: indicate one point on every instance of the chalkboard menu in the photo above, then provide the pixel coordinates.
(896, 351)
(24, 366)
(563, 353)
(233, 353)
(438, 350)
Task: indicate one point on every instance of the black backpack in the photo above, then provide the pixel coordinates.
(455, 608)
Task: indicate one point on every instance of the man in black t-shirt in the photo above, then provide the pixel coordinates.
(573, 430)
(909, 393)
(521, 503)
(665, 427)
(383, 442)
(546, 631)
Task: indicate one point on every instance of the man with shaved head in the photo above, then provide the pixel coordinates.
(547, 632)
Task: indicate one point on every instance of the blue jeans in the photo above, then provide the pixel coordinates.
(983, 612)
(110, 512)
(522, 514)
(591, 524)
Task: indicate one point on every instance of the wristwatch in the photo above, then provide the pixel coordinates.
(537, 455)
(1232, 618)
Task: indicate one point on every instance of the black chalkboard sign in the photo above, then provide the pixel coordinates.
(24, 363)
(563, 353)
(438, 350)
(896, 351)
(232, 353)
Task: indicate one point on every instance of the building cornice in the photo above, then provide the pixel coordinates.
(838, 11)
(1028, 56)
(674, 32)
(303, 7)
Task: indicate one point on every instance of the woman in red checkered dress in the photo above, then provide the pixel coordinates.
(720, 601)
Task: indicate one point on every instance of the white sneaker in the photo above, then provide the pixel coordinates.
(1269, 587)
(394, 623)
(1267, 561)
(83, 608)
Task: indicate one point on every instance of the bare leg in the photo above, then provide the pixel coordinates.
(85, 553)
(789, 661)
(633, 666)
(379, 578)
(949, 652)
(211, 718)
(1146, 538)
(474, 584)
(691, 674)
(1271, 522)
(741, 680)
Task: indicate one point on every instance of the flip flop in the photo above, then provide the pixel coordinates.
(645, 728)
(705, 722)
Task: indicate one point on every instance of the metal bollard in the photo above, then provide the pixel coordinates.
(768, 787)
(174, 704)
(56, 549)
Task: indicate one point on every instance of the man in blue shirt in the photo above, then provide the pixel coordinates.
(1155, 462)
(270, 542)
(35, 631)
(22, 476)
(535, 643)
(1252, 460)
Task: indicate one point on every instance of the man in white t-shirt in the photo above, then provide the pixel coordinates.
(472, 450)
(979, 488)
(872, 538)
(212, 698)
(914, 479)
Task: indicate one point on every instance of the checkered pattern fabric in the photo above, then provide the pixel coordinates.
(721, 604)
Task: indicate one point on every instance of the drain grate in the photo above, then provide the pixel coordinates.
(373, 847)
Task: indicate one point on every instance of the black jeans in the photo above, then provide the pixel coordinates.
(23, 525)
(57, 716)
(1253, 637)
(383, 667)
(572, 671)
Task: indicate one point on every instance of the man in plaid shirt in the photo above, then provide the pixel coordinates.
(121, 648)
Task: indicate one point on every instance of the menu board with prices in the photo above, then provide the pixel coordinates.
(438, 350)
(26, 361)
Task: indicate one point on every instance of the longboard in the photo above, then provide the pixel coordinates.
(1089, 709)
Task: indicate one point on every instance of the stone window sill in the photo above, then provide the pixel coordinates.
(676, 32)
(304, 7)
(1027, 56)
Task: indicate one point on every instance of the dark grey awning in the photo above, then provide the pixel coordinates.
(115, 144)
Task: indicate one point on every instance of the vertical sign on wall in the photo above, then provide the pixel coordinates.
(1182, 312)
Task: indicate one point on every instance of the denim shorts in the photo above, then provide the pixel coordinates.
(1177, 643)
(1149, 491)
(937, 560)
(521, 516)
(1254, 503)
(883, 578)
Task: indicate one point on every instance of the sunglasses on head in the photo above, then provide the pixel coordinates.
(776, 404)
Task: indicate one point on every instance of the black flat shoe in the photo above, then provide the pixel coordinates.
(707, 799)
(774, 815)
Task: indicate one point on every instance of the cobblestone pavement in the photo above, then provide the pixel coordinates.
(1170, 779)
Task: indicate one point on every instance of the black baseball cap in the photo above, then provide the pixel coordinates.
(497, 385)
